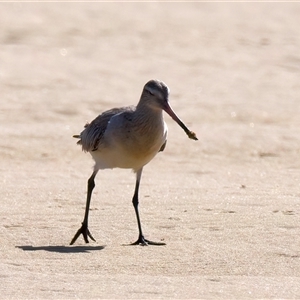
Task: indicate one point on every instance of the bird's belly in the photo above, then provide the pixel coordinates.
(129, 147)
(120, 157)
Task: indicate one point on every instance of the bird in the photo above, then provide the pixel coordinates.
(128, 137)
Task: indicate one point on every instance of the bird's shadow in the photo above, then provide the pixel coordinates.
(62, 249)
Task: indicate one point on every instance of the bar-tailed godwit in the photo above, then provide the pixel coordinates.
(128, 137)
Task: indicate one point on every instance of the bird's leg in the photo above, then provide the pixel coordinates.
(135, 201)
(84, 228)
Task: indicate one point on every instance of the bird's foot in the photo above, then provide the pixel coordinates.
(85, 232)
(144, 242)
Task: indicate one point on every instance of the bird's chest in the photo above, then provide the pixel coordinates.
(145, 137)
(139, 137)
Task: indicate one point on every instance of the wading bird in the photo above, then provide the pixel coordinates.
(128, 137)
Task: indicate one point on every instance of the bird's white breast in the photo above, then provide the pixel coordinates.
(130, 141)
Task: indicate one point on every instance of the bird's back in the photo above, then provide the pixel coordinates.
(91, 136)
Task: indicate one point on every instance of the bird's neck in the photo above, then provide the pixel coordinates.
(148, 113)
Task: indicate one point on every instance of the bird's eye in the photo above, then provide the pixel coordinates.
(149, 92)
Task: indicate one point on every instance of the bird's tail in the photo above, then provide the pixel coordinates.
(77, 136)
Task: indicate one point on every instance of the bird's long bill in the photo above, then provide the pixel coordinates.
(168, 109)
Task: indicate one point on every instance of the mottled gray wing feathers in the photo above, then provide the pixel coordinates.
(91, 136)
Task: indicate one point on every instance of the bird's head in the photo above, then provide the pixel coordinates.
(156, 96)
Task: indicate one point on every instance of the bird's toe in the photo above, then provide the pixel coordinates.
(85, 232)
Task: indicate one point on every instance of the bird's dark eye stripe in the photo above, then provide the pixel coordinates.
(150, 92)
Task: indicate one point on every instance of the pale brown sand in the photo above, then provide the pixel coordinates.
(227, 206)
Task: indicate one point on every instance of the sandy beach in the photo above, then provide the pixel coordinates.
(227, 206)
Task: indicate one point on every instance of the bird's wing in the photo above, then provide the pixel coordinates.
(91, 136)
(163, 146)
